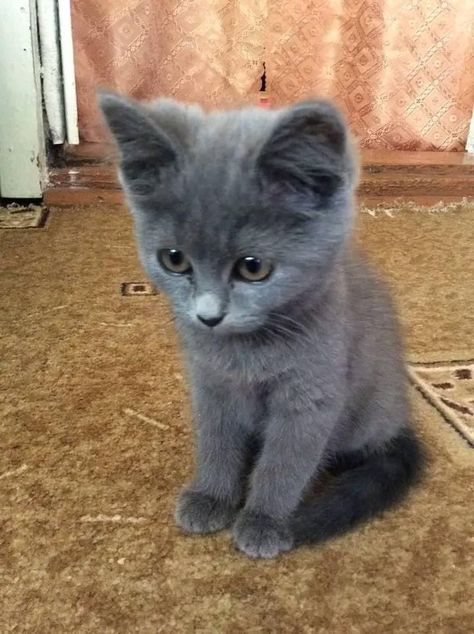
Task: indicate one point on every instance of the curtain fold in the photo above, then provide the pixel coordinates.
(403, 72)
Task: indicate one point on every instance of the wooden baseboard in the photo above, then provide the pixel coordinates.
(89, 177)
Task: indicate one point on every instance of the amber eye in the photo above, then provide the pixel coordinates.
(174, 261)
(252, 269)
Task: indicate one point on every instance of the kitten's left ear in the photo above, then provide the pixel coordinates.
(145, 149)
(310, 147)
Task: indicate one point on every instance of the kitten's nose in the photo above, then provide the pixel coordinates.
(211, 321)
(210, 309)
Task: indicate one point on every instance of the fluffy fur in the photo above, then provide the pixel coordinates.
(303, 375)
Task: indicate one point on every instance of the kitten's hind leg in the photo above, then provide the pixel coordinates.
(361, 490)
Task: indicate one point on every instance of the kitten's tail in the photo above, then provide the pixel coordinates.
(379, 481)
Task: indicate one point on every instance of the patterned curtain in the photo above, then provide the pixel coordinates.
(401, 71)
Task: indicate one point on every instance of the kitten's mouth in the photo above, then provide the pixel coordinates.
(229, 329)
(275, 326)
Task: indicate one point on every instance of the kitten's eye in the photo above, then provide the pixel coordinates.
(252, 269)
(174, 261)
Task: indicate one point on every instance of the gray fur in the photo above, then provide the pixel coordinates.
(305, 366)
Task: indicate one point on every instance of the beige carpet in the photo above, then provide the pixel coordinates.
(96, 443)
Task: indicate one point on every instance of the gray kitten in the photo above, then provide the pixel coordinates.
(243, 219)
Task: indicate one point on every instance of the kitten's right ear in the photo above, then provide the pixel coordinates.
(309, 147)
(144, 147)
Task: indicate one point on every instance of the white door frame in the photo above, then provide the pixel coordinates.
(69, 75)
(35, 64)
(22, 143)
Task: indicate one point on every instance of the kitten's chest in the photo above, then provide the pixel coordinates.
(246, 366)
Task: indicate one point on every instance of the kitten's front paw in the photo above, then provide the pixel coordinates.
(261, 536)
(200, 513)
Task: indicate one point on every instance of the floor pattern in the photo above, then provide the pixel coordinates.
(17, 217)
(133, 289)
(96, 438)
(450, 388)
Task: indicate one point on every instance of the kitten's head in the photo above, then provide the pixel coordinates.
(238, 214)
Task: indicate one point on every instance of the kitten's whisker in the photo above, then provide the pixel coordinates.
(301, 333)
(169, 321)
(284, 324)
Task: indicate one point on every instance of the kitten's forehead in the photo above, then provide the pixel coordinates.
(220, 213)
(224, 149)
(225, 232)
(217, 185)
(220, 200)
(233, 133)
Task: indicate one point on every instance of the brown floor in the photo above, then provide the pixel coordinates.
(96, 444)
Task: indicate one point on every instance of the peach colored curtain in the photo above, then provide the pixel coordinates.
(403, 71)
